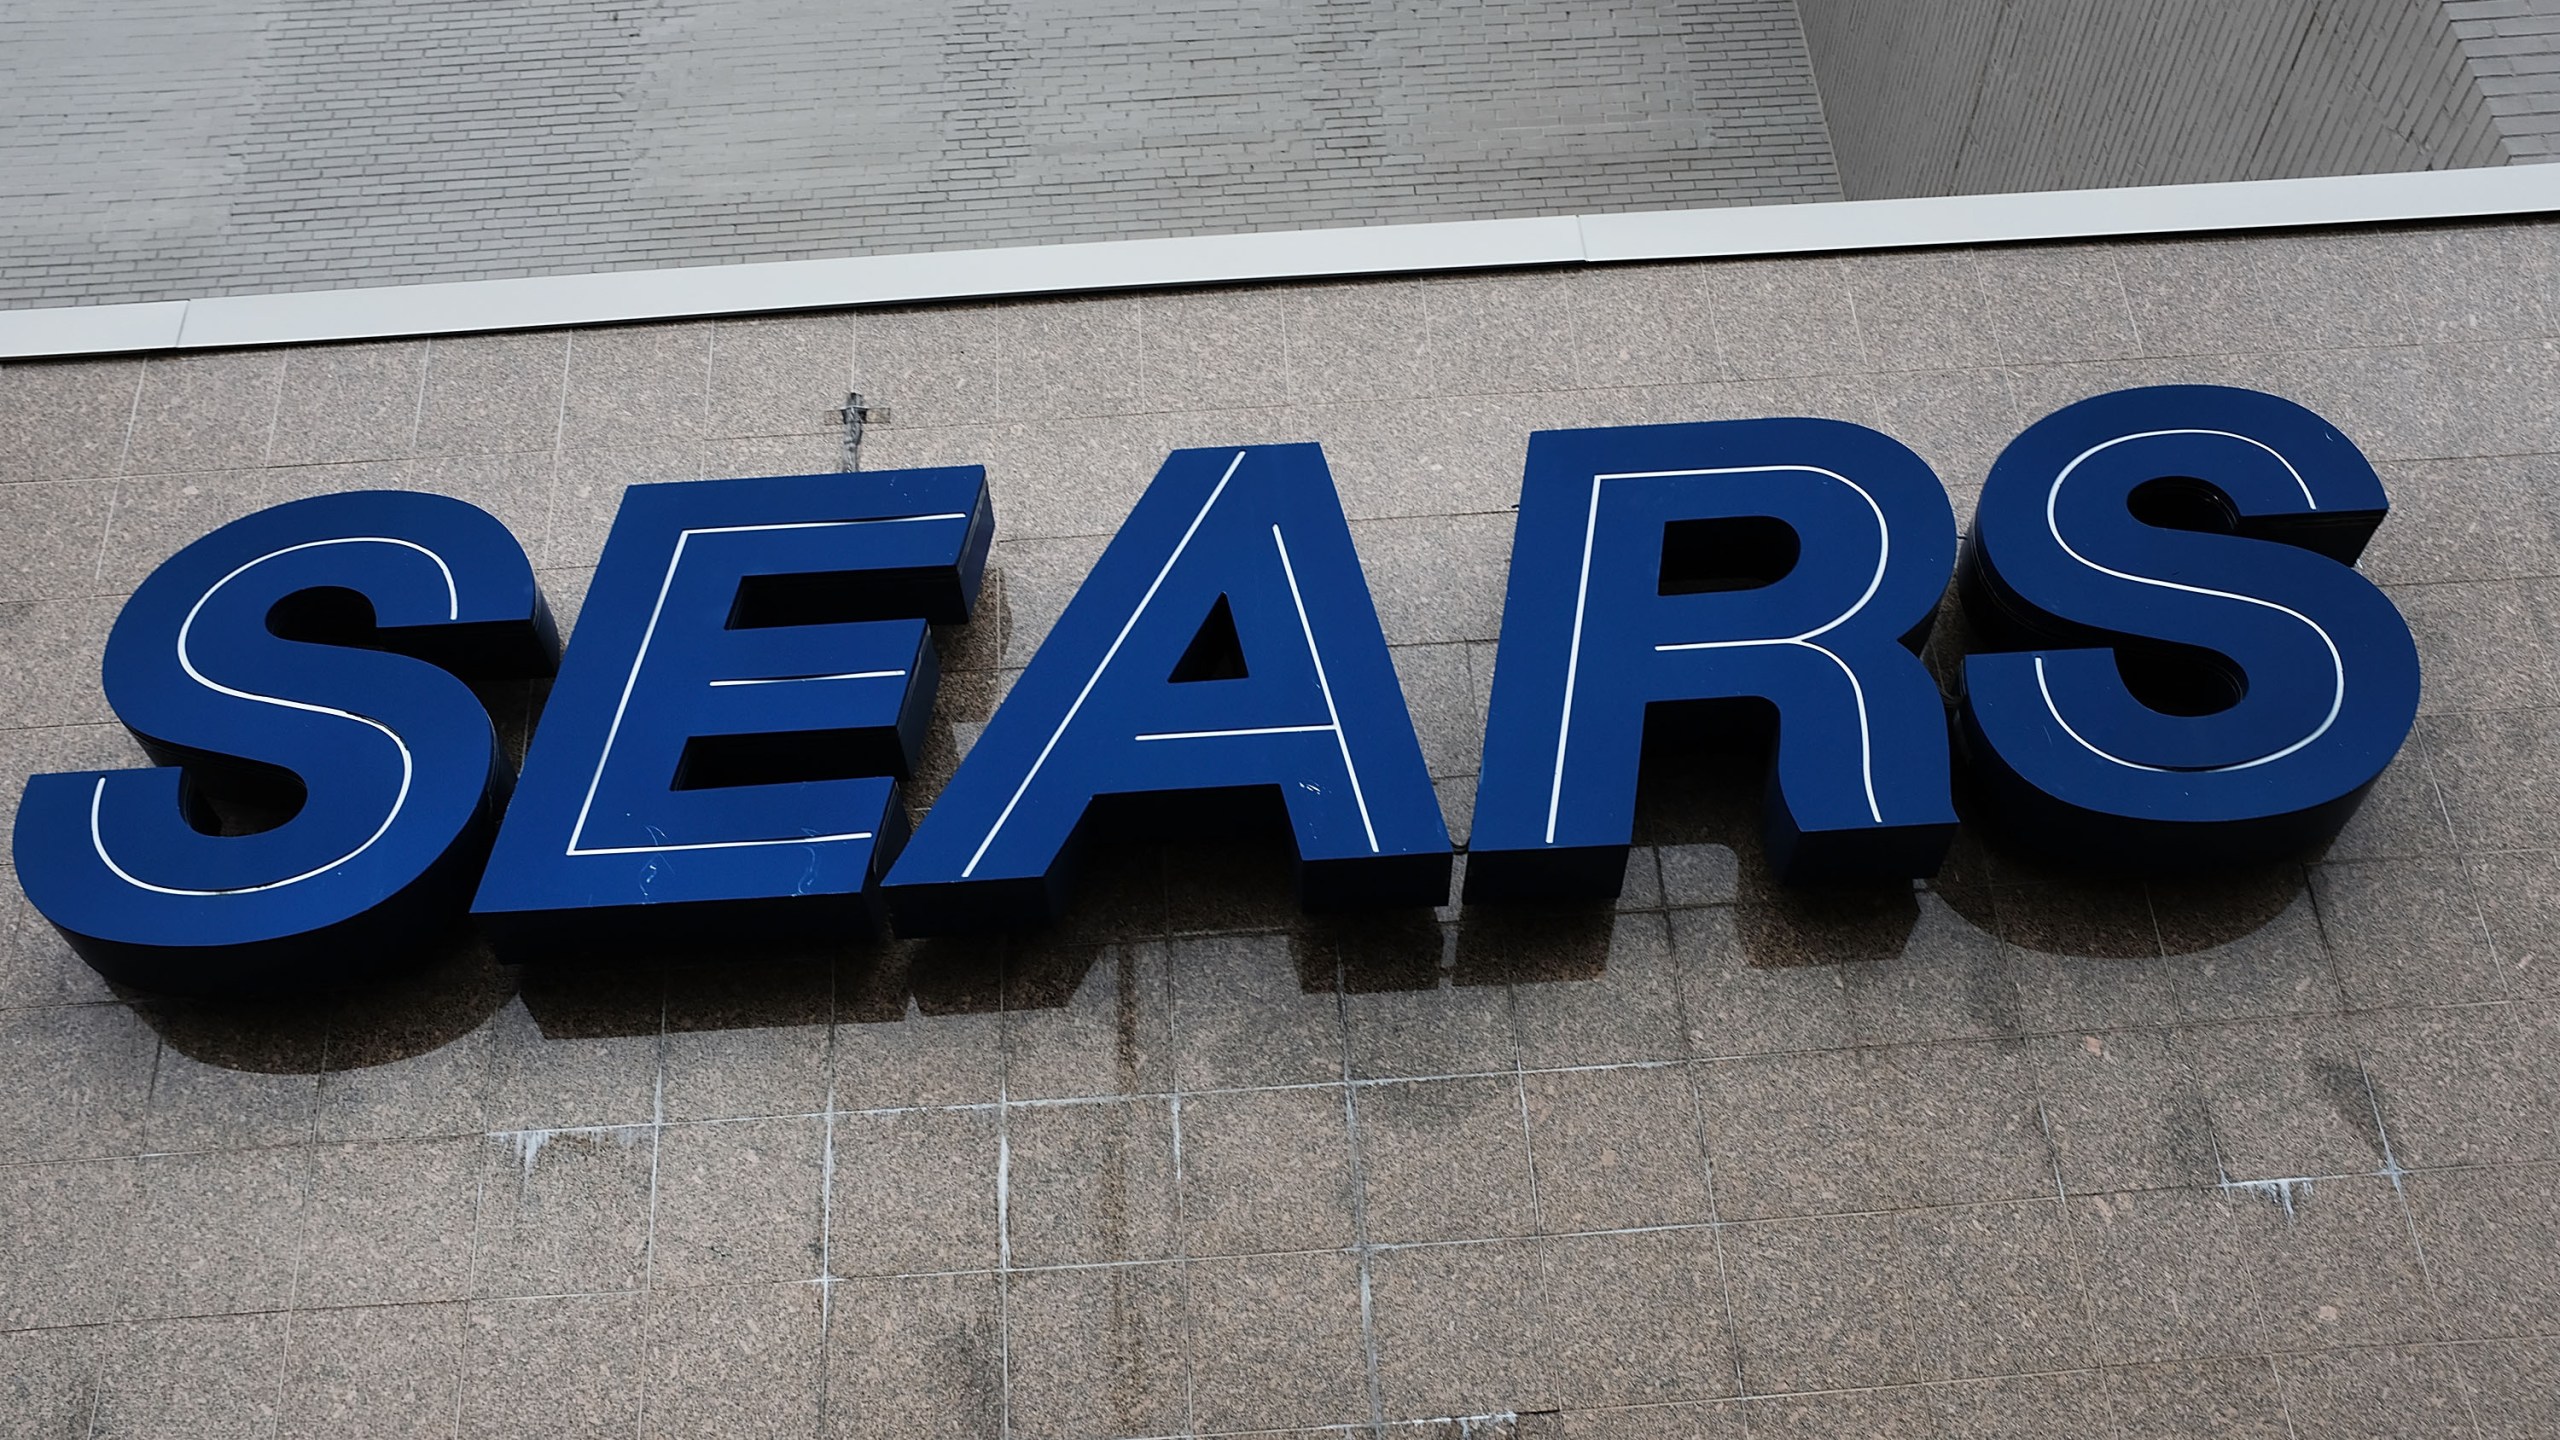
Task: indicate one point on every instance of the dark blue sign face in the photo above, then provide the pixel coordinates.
(305, 659)
(2174, 666)
(2187, 671)
(1224, 642)
(752, 677)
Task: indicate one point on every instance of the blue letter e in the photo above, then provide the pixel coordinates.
(295, 661)
(1792, 562)
(1224, 642)
(751, 672)
(2190, 673)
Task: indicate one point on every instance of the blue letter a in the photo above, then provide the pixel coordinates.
(1827, 548)
(1225, 641)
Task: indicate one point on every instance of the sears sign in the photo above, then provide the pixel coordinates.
(2174, 665)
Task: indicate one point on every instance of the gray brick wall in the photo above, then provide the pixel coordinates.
(1932, 97)
(200, 147)
(2514, 48)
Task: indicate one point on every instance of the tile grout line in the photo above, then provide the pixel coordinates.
(2091, 1371)
(115, 496)
(552, 455)
(1181, 1210)
(1714, 306)
(2044, 1126)
(1857, 327)
(275, 412)
(1520, 1092)
(97, 1393)
(560, 412)
(2409, 1219)
(310, 1148)
(2521, 1336)
(418, 411)
(710, 372)
(471, 1270)
(827, 1202)
(2124, 293)
(1361, 1249)
(1288, 357)
(2284, 1402)
(2064, 1221)
(1540, 1240)
(2309, 895)
(1716, 1227)
(1691, 1082)
(649, 1238)
(2464, 862)
(1004, 1206)
(1004, 1276)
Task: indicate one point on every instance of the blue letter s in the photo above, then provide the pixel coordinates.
(2192, 674)
(213, 666)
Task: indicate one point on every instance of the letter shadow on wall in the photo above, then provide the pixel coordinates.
(422, 1009)
(2036, 905)
(461, 987)
(1699, 807)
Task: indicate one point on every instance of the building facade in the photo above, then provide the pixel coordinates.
(2019, 1149)
(2013, 1150)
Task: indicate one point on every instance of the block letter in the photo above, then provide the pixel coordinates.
(1225, 641)
(750, 677)
(2189, 673)
(1825, 547)
(294, 673)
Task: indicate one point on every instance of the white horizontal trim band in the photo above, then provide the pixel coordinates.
(612, 297)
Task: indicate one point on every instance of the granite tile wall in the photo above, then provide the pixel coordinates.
(2014, 1152)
